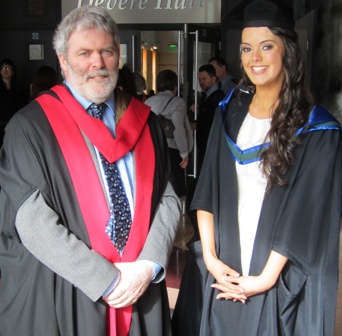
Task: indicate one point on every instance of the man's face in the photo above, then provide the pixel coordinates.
(91, 64)
(220, 69)
(205, 80)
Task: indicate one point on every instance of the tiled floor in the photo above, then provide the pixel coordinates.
(178, 258)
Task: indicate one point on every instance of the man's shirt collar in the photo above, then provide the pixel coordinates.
(211, 90)
(110, 101)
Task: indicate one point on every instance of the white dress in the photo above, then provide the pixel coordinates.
(251, 186)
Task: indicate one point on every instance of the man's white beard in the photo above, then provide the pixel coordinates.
(93, 90)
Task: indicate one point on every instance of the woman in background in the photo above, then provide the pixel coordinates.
(12, 96)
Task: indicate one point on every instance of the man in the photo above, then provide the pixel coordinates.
(226, 82)
(66, 268)
(211, 96)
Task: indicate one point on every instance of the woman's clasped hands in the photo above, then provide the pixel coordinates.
(232, 286)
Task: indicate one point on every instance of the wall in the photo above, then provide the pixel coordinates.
(19, 29)
(327, 67)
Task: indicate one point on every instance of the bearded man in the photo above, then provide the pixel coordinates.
(87, 213)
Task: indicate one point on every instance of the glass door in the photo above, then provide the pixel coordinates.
(149, 51)
(130, 51)
(200, 44)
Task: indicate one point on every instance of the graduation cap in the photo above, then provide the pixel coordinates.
(268, 13)
(260, 13)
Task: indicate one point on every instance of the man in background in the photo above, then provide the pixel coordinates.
(211, 95)
(226, 82)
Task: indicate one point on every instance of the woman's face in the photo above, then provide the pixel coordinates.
(6, 71)
(262, 57)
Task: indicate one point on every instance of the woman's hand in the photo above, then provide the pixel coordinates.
(226, 281)
(251, 285)
(224, 275)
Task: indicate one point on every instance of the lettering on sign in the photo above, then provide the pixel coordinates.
(143, 4)
(154, 11)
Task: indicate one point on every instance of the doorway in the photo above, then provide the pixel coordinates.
(153, 49)
(159, 51)
(184, 50)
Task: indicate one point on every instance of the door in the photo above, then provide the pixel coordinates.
(193, 46)
(130, 51)
(200, 44)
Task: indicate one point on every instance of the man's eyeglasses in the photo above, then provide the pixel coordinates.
(6, 67)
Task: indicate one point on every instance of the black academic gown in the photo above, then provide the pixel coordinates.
(205, 119)
(33, 299)
(10, 101)
(300, 221)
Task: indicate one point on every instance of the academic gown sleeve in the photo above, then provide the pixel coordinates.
(307, 230)
(159, 242)
(313, 199)
(34, 297)
(31, 220)
(39, 208)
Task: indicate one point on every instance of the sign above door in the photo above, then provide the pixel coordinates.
(154, 11)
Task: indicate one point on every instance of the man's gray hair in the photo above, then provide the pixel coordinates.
(86, 17)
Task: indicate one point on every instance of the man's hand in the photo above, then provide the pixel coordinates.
(134, 279)
(184, 162)
(192, 108)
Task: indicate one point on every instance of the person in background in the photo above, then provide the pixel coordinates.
(167, 103)
(141, 86)
(268, 196)
(87, 213)
(44, 79)
(226, 82)
(12, 96)
(210, 97)
(126, 81)
(150, 93)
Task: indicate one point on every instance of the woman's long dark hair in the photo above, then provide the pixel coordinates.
(292, 112)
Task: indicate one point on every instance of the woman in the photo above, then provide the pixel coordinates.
(268, 197)
(180, 143)
(12, 97)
